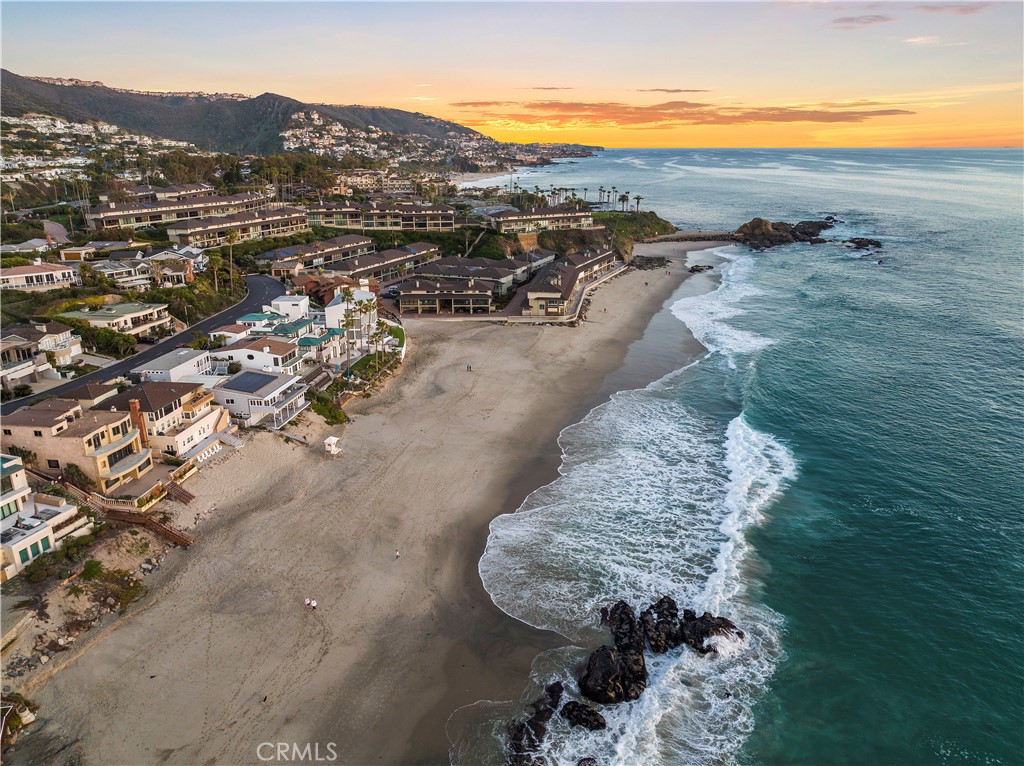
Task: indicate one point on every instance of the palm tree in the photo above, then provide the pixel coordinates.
(231, 238)
(623, 199)
(638, 198)
(585, 193)
(600, 195)
(365, 308)
(213, 263)
(611, 196)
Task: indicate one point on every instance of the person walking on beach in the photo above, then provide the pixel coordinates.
(397, 554)
(312, 605)
(308, 602)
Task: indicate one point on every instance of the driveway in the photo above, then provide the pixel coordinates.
(261, 290)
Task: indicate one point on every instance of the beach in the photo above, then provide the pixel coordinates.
(222, 660)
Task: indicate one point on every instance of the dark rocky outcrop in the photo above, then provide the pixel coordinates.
(617, 673)
(525, 736)
(660, 623)
(760, 233)
(697, 630)
(578, 714)
(863, 243)
(649, 262)
(700, 267)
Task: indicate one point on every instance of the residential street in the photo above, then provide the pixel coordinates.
(261, 290)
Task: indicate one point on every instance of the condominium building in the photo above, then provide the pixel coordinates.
(395, 216)
(525, 221)
(213, 232)
(133, 215)
(434, 296)
(162, 193)
(138, 319)
(388, 264)
(105, 445)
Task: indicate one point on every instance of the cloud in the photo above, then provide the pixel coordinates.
(672, 90)
(859, 22)
(960, 9)
(421, 98)
(423, 85)
(546, 87)
(924, 40)
(567, 115)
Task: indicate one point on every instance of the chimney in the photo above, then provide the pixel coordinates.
(136, 415)
(266, 349)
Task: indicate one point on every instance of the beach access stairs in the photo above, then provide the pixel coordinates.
(125, 511)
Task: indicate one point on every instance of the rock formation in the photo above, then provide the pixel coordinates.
(525, 737)
(759, 233)
(578, 714)
(617, 673)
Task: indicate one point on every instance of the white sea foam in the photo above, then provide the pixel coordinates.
(654, 498)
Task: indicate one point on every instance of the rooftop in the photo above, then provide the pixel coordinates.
(152, 396)
(115, 311)
(258, 384)
(172, 359)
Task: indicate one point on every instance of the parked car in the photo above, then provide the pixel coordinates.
(149, 340)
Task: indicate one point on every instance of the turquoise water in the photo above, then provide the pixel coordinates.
(841, 474)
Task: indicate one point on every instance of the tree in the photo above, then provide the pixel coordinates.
(214, 262)
(638, 198)
(231, 238)
(623, 199)
(76, 476)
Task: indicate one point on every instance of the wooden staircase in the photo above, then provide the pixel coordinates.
(176, 492)
(165, 531)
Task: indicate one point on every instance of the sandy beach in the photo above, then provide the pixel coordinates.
(222, 657)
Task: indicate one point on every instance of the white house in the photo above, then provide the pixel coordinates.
(38, 277)
(255, 398)
(175, 365)
(263, 353)
(361, 311)
(32, 523)
(292, 306)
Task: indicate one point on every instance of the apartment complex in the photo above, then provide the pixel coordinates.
(435, 296)
(525, 221)
(294, 259)
(213, 232)
(133, 215)
(388, 264)
(105, 445)
(393, 216)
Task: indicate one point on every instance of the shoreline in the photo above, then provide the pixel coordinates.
(397, 646)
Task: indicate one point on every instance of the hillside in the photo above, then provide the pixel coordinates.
(242, 126)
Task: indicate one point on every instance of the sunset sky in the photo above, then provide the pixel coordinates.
(725, 74)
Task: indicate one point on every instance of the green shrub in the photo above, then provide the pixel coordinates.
(92, 570)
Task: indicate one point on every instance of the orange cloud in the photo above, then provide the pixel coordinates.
(960, 9)
(559, 115)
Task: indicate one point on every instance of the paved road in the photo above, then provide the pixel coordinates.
(58, 232)
(261, 290)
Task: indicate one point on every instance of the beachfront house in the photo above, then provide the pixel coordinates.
(263, 353)
(31, 523)
(435, 296)
(105, 445)
(175, 418)
(262, 398)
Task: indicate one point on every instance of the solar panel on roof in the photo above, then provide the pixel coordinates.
(251, 382)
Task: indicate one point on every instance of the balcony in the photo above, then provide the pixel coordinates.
(197, 404)
(130, 463)
(124, 441)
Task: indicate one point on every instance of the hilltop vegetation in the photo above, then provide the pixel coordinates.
(242, 126)
(621, 231)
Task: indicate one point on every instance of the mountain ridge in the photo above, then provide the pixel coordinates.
(250, 125)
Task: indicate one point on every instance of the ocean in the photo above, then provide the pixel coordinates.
(840, 474)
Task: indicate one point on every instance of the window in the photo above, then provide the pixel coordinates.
(53, 464)
(7, 432)
(229, 401)
(37, 433)
(9, 509)
(23, 555)
(35, 549)
(249, 356)
(46, 544)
